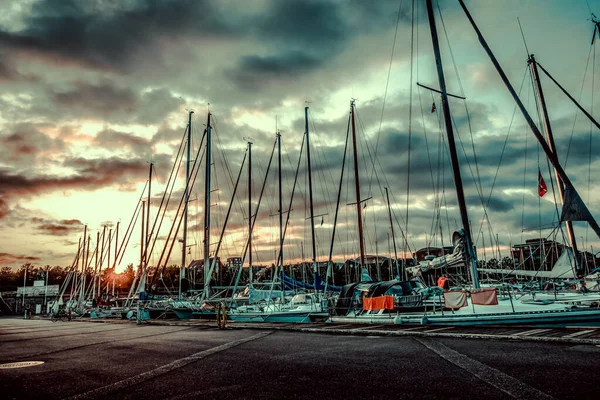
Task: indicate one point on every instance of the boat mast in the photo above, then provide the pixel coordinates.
(357, 188)
(310, 192)
(148, 213)
(393, 236)
(116, 244)
(280, 258)
(96, 274)
(337, 209)
(187, 198)
(207, 202)
(576, 203)
(250, 212)
(142, 237)
(552, 145)
(472, 256)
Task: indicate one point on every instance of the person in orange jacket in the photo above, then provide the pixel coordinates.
(443, 282)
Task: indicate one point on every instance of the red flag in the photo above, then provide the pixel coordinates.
(433, 107)
(542, 189)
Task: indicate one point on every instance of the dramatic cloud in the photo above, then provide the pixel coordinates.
(9, 259)
(58, 228)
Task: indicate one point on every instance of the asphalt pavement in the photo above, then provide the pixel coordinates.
(85, 360)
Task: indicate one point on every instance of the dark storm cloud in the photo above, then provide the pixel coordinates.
(9, 258)
(101, 100)
(497, 203)
(23, 144)
(4, 210)
(7, 73)
(91, 174)
(111, 139)
(103, 35)
(111, 102)
(303, 36)
(57, 228)
(255, 71)
(107, 170)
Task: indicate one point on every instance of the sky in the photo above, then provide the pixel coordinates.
(93, 91)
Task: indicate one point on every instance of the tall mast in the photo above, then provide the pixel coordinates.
(249, 212)
(310, 191)
(552, 146)
(142, 237)
(207, 202)
(148, 208)
(84, 248)
(116, 243)
(101, 260)
(472, 256)
(393, 236)
(187, 199)
(280, 258)
(109, 244)
(357, 188)
(147, 235)
(96, 274)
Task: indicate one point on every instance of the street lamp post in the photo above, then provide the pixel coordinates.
(24, 284)
(46, 287)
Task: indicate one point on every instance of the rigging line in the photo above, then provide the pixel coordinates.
(410, 106)
(578, 100)
(503, 150)
(523, 36)
(478, 175)
(335, 218)
(424, 126)
(195, 166)
(386, 87)
(323, 161)
(178, 155)
(587, 227)
(377, 161)
(539, 122)
(167, 203)
(524, 173)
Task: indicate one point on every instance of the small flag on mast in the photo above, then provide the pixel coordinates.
(542, 188)
(433, 107)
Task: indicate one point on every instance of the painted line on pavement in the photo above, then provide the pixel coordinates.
(414, 328)
(182, 362)
(579, 333)
(439, 329)
(112, 340)
(501, 381)
(532, 332)
(367, 327)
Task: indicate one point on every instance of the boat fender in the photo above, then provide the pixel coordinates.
(424, 321)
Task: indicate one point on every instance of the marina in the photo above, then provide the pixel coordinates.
(307, 234)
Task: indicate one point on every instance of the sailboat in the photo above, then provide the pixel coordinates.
(480, 306)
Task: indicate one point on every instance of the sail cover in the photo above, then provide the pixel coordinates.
(458, 257)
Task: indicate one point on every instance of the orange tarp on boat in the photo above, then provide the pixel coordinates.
(484, 297)
(378, 303)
